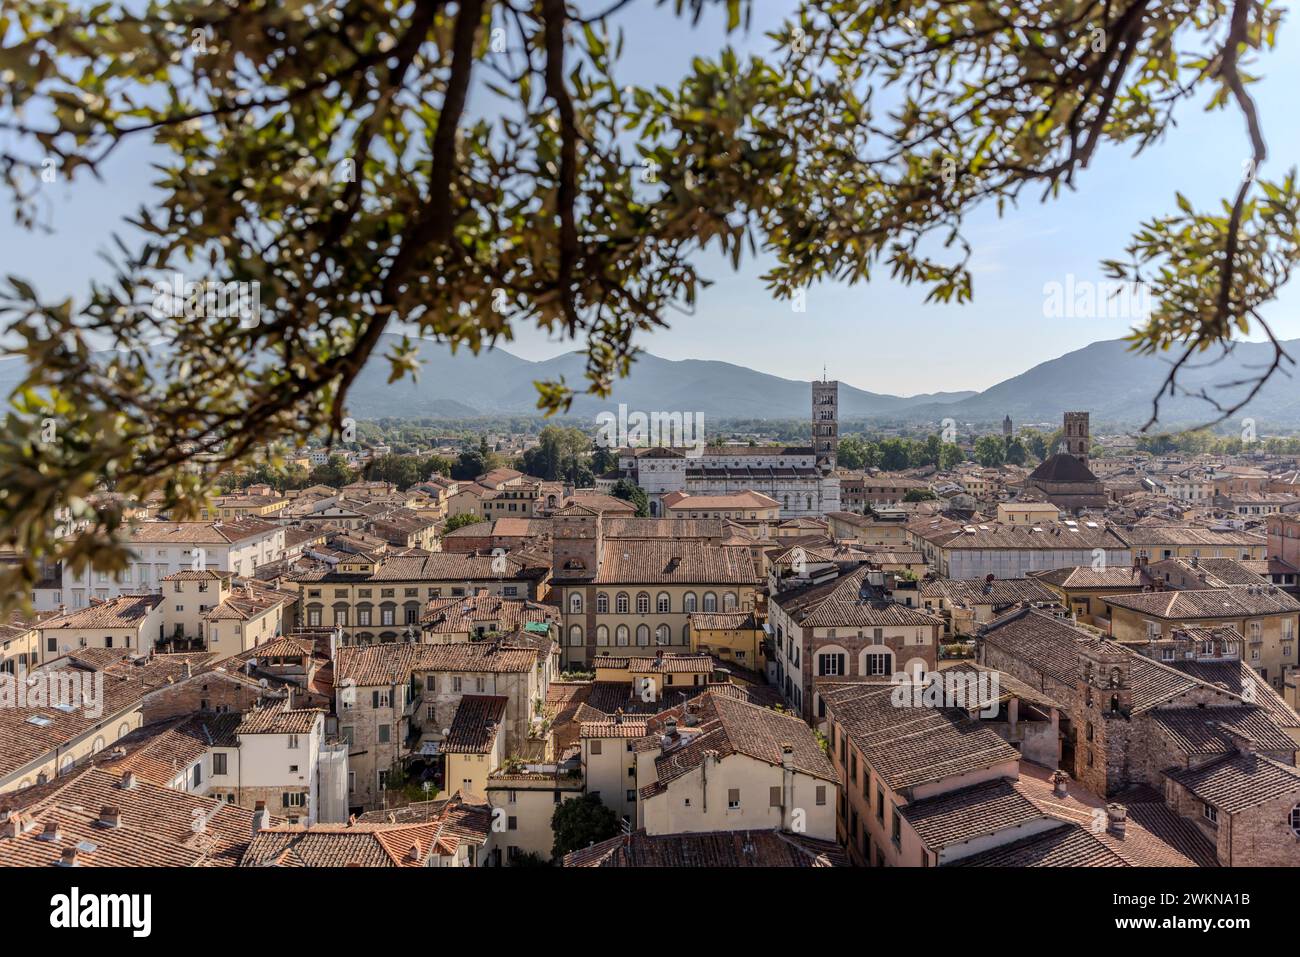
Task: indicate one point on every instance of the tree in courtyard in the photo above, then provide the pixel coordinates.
(580, 823)
(631, 492)
(460, 521)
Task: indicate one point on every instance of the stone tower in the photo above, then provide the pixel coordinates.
(826, 423)
(578, 543)
(1006, 428)
(1077, 438)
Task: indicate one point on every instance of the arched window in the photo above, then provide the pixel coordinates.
(688, 602)
(620, 603)
(729, 601)
(1114, 678)
(710, 601)
(602, 635)
(643, 603)
(686, 634)
(663, 604)
(602, 604)
(621, 636)
(643, 635)
(663, 635)
(1294, 820)
(1087, 734)
(575, 635)
(575, 603)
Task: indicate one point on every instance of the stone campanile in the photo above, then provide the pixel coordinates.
(825, 422)
(1077, 437)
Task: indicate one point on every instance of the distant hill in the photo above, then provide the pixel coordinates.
(497, 383)
(1105, 378)
(1117, 385)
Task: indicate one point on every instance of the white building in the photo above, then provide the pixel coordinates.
(278, 759)
(788, 475)
(720, 764)
(163, 548)
(801, 479)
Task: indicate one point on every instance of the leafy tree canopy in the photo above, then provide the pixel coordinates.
(629, 491)
(990, 450)
(580, 823)
(460, 521)
(325, 152)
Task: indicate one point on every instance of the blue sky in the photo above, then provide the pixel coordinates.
(880, 336)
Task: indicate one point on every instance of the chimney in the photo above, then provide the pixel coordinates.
(186, 670)
(261, 817)
(670, 725)
(414, 855)
(68, 857)
(110, 816)
(127, 782)
(1116, 819)
(11, 823)
(1060, 784)
(52, 832)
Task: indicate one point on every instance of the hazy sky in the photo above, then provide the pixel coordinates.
(880, 336)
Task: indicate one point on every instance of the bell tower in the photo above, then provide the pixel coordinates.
(1104, 669)
(578, 543)
(1077, 437)
(825, 422)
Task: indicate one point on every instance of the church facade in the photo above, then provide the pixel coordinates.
(802, 479)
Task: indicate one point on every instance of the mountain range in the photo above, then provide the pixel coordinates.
(1115, 384)
(1106, 378)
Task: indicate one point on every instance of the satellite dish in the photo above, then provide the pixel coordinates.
(446, 731)
(264, 683)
